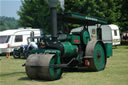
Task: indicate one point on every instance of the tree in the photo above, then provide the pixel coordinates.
(35, 13)
(3, 26)
(8, 23)
(107, 9)
(124, 15)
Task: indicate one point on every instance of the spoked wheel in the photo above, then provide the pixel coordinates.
(98, 60)
(40, 66)
(16, 54)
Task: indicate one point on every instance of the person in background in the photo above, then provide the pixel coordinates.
(124, 36)
(32, 45)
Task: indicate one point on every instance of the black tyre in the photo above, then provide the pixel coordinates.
(16, 54)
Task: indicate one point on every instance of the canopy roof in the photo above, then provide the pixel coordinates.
(82, 19)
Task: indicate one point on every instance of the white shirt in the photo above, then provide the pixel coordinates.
(33, 45)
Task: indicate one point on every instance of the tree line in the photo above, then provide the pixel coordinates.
(35, 13)
(8, 23)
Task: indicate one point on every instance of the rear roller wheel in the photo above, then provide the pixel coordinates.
(98, 60)
(40, 66)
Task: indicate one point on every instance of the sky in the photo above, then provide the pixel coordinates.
(9, 8)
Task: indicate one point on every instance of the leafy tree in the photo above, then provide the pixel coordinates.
(124, 15)
(35, 13)
(106, 9)
(8, 23)
(3, 26)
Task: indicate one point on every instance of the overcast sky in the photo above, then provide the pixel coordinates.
(9, 8)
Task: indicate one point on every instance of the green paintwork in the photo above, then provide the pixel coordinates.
(99, 62)
(52, 51)
(36, 51)
(69, 36)
(89, 18)
(69, 49)
(75, 39)
(108, 47)
(73, 44)
(86, 37)
(54, 72)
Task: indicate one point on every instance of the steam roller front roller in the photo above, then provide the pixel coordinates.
(97, 56)
(41, 66)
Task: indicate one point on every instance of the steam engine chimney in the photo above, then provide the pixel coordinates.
(53, 4)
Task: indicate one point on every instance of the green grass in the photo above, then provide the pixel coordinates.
(116, 72)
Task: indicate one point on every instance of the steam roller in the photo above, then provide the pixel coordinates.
(69, 49)
(40, 66)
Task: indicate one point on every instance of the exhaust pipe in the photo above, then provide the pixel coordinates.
(53, 4)
(54, 23)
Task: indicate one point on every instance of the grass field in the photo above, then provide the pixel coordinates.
(116, 72)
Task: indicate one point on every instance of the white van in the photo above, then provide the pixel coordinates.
(10, 39)
(109, 34)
